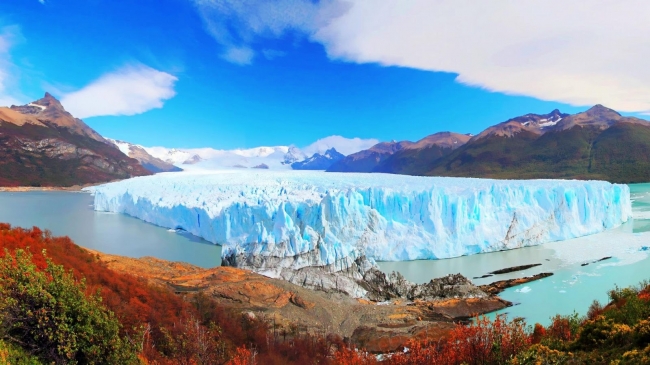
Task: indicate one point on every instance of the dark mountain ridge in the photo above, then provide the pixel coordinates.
(368, 160)
(597, 144)
(430, 148)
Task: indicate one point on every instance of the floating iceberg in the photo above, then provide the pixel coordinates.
(321, 219)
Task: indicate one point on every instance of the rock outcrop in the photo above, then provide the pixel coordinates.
(378, 327)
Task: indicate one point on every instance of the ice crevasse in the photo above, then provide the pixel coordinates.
(335, 216)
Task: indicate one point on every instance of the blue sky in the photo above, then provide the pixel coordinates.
(228, 74)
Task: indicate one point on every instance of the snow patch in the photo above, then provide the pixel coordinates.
(38, 106)
(124, 147)
(549, 123)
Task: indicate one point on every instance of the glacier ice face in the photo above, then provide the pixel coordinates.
(319, 218)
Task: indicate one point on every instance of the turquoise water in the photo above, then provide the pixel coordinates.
(71, 214)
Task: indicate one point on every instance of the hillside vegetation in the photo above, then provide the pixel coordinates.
(618, 154)
(59, 304)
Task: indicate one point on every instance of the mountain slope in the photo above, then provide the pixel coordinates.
(368, 160)
(426, 150)
(147, 161)
(43, 145)
(596, 144)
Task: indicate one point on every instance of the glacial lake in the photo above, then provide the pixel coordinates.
(71, 214)
(572, 287)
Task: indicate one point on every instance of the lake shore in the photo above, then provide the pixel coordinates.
(22, 189)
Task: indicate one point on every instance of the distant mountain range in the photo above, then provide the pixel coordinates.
(596, 144)
(394, 157)
(276, 157)
(41, 144)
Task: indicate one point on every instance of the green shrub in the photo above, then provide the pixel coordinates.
(627, 307)
(601, 333)
(48, 315)
(14, 355)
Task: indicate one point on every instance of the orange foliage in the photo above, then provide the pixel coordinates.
(481, 342)
(539, 332)
(133, 301)
(172, 330)
(560, 328)
(348, 356)
(243, 356)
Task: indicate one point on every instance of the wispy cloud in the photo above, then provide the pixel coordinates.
(344, 145)
(236, 24)
(271, 54)
(130, 90)
(239, 55)
(7, 74)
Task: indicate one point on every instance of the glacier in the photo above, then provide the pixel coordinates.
(314, 218)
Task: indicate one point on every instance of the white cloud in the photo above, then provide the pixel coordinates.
(42, 1)
(130, 90)
(344, 145)
(575, 52)
(572, 51)
(7, 73)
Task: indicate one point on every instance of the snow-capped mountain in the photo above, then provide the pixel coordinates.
(319, 161)
(147, 161)
(209, 158)
(346, 146)
(535, 123)
(323, 153)
(294, 155)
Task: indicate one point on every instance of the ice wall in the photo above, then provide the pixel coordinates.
(335, 216)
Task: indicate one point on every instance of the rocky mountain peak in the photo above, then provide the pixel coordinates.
(319, 161)
(602, 112)
(49, 101)
(50, 111)
(333, 153)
